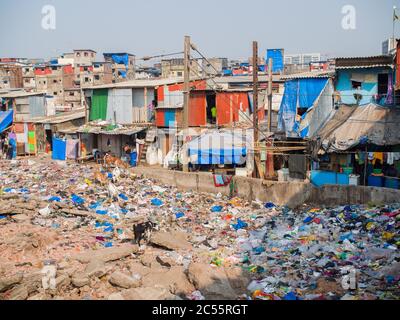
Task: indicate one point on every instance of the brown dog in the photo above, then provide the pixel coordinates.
(100, 177)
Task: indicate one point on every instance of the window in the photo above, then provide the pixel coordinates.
(54, 68)
(55, 93)
(92, 54)
(71, 94)
(86, 79)
(356, 85)
(78, 54)
(180, 73)
(85, 68)
(86, 54)
(96, 77)
(383, 81)
(5, 81)
(54, 81)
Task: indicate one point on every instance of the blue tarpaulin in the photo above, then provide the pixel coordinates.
(299, 93)
(309, 91)
(122, 74)
(121, 59)
(218, 156)
(288, 109)
(277, 59)
(6, 119)
(59, 149)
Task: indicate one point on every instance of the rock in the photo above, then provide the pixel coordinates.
(38, 296)
(138, 268)
(237, 279)
(213, 283)
(166, 261)
(116, 296)
(148, 260)
(18, 293)
(63, 281)
(107, 254)
(174, 240)
(96, 268)
(174, 280)
(124, 281)
(80, 280)
(144, 293)
(33, 281)
(8, 282)
(21, 218)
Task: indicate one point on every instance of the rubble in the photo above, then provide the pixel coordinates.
(202, 246)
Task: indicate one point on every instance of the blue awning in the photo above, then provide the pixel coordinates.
(6, 119)
(218, 156)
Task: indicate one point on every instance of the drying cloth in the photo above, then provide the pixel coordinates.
(72, 148)
(221, 180)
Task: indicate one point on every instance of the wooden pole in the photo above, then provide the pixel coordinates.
(255, 110)
(270, 95)
(186, 93)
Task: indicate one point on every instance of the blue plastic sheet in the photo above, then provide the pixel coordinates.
(59, 149)
(299, 93)
(288, 109)
(240, 225)
(156, 202)
(6, 119)
(277, 59)
(216, 209)
(121, 59)
(310, 90)
(220, 156)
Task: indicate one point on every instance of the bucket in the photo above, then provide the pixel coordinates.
(391, 183)
(133, 160)
(374, 181)
(354, 180)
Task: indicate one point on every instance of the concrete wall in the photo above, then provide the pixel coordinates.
(292, 194)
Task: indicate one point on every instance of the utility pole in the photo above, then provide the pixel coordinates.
(255, 110)
(269, 164)
(270, 95)
(186, 95)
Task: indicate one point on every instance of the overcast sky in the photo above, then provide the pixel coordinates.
(223, 28)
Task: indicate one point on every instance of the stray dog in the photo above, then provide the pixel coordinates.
(100, 178)
(109, 160)
(142, 231)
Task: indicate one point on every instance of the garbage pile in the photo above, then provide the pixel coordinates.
(66, 232)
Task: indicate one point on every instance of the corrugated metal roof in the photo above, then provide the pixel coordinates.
(147, 83)
(127, 131)
(20, 94)
(364, 62)
(365, 67)
(60, 118)
(311, 74)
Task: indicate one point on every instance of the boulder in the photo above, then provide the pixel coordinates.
(144, 293)
(122, 280)
(175, 240)
(96, 268)
(212, 282)
(18, 293)
(174, 280)
(8, 282)
(106, 254)
(80, 280)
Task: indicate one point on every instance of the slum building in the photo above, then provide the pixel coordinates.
(123, 66)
